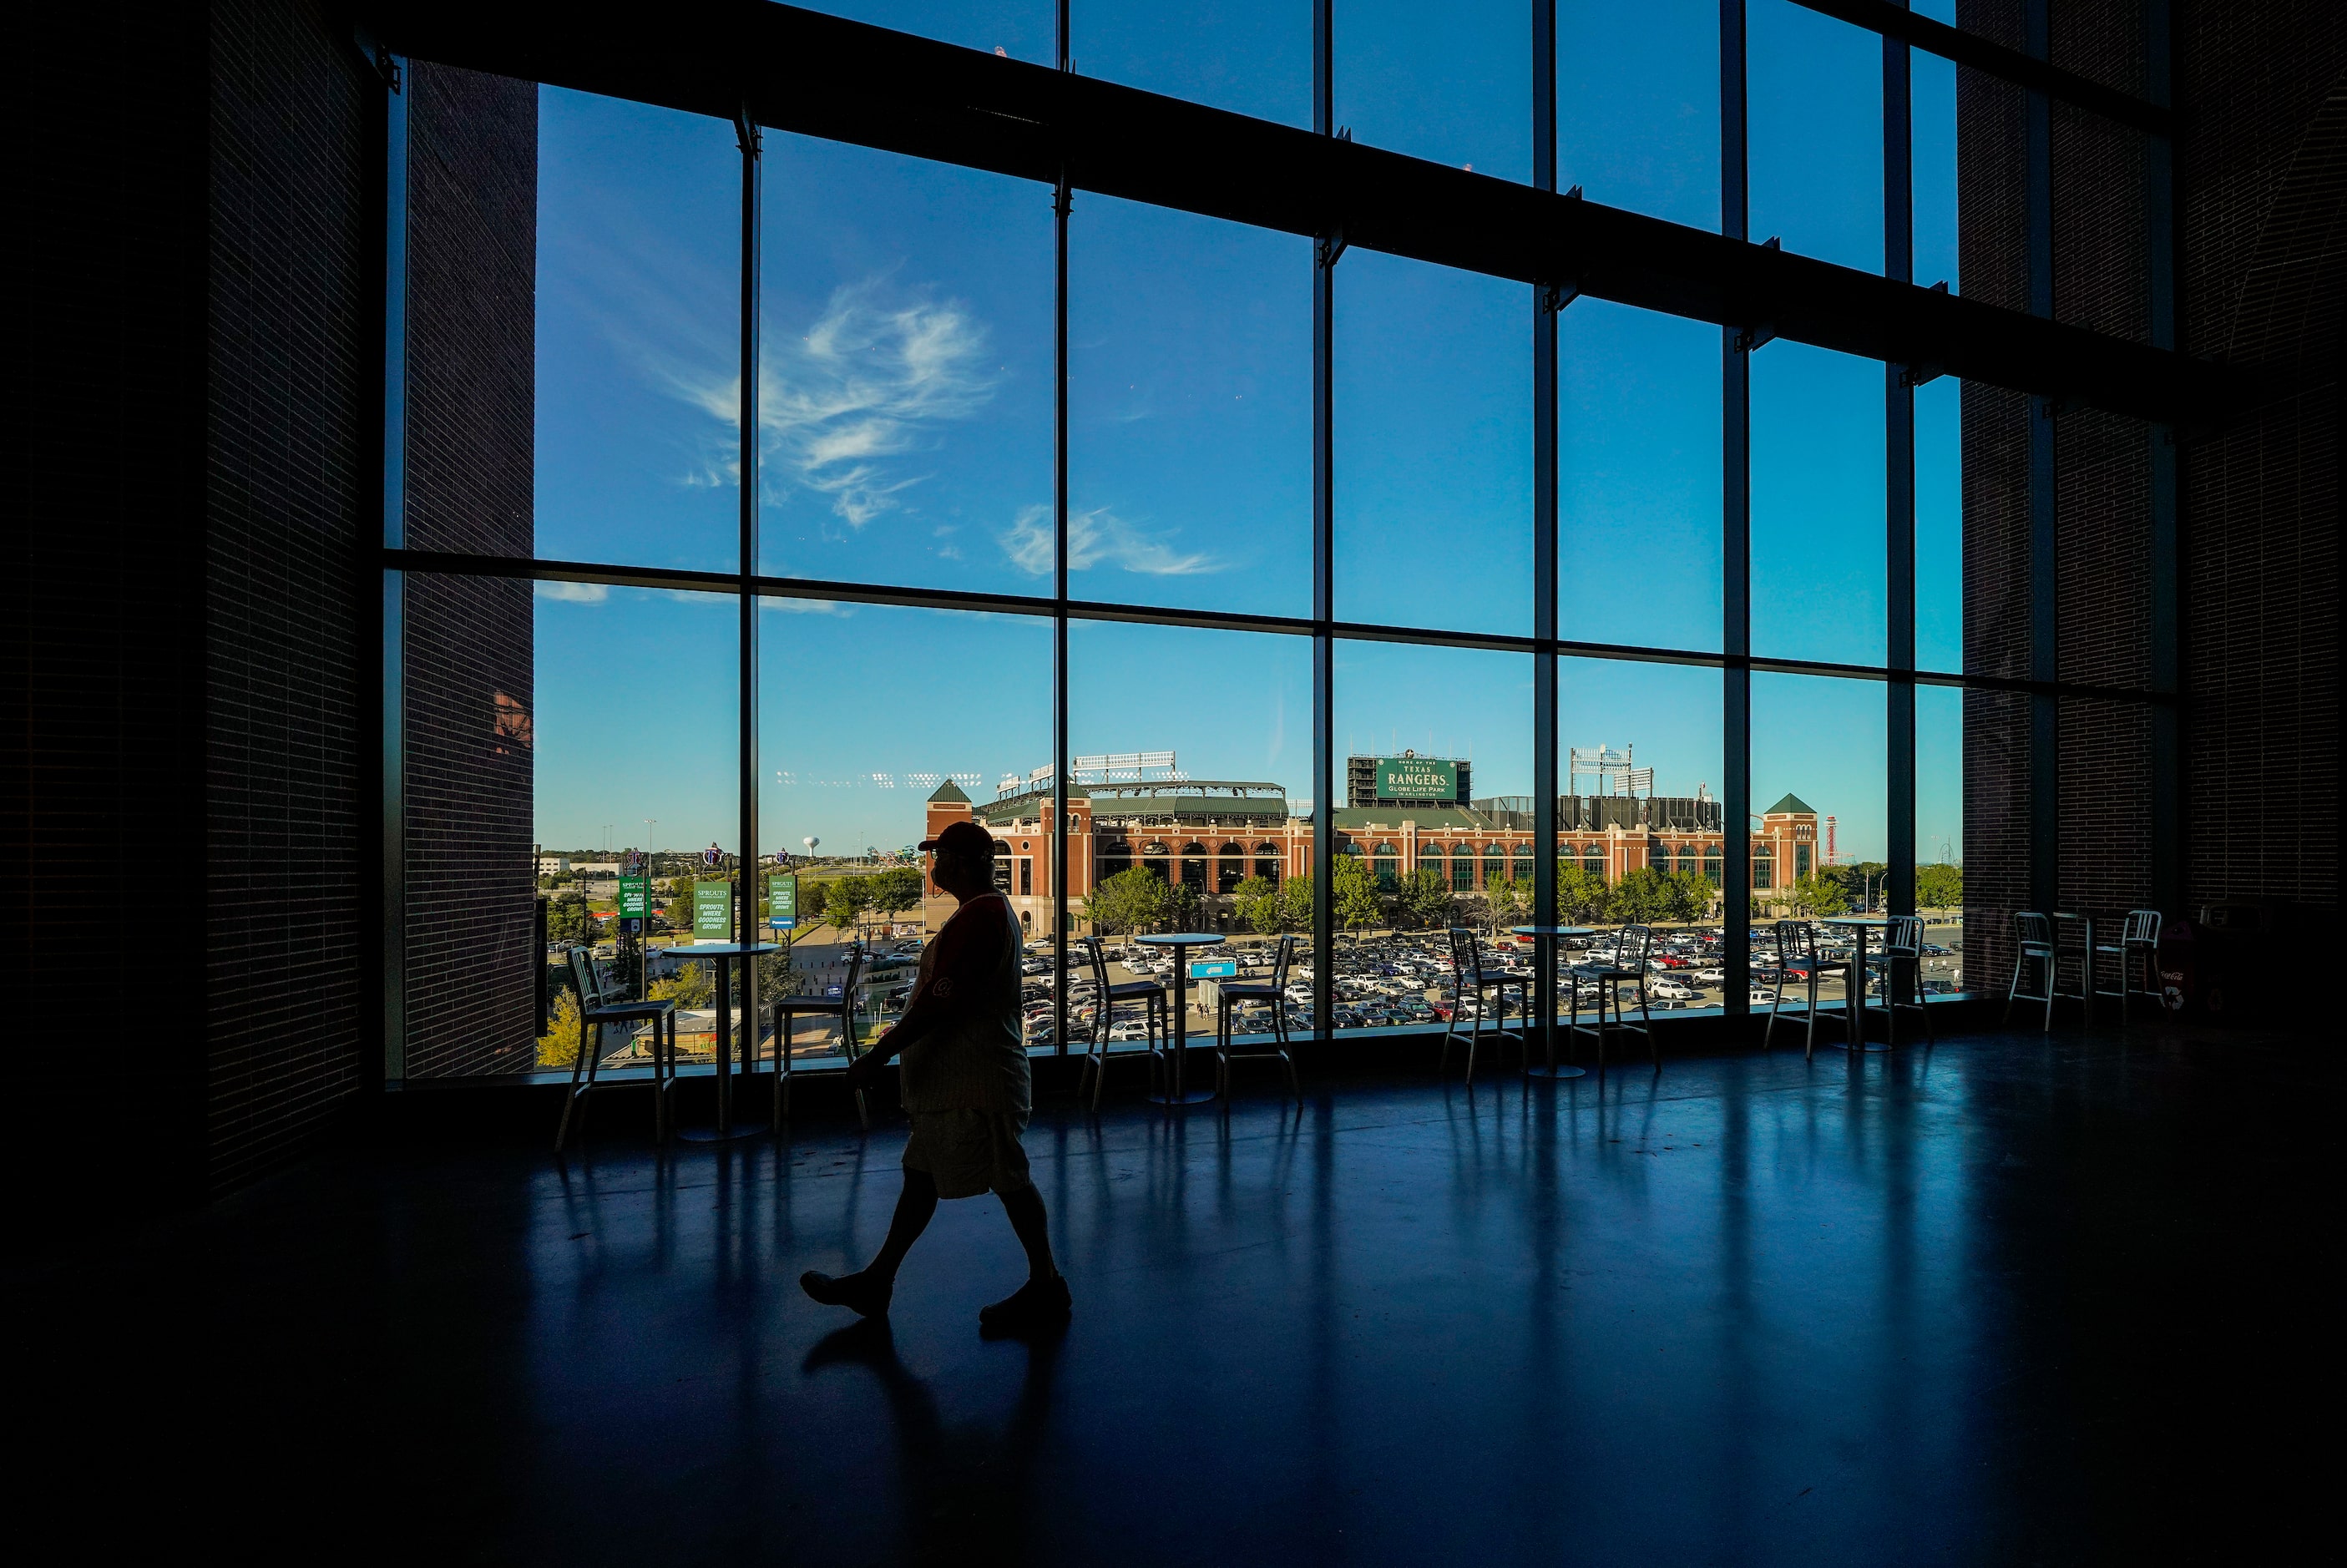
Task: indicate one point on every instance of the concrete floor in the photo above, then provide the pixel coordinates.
(2010, 1300)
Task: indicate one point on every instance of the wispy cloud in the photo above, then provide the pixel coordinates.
(574, 592)
(1095, 537)
(872, 380)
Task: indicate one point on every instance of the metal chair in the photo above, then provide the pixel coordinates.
(1903, 944)
(595, 1011)
(1149, 993)
(1630, 950)
(1468, 978)
(1230, 995)
(2033, 933)
(2138, 940)
(841, 1007)
(1797, 948)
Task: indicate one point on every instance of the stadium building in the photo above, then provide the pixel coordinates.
(1402, 813)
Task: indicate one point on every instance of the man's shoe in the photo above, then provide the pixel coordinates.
(857, 1292)
(1036, 1306)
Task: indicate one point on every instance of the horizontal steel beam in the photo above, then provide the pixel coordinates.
(670, 580)
(820, 76)
(1994, 59)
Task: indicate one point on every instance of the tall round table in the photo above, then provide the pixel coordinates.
(1551, 935)
(1858, 926)
(722, 956)
(1178, 1092)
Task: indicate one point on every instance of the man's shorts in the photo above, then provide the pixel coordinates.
(967, 1152)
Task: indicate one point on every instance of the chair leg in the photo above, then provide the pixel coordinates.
(1647, 1010)
(1809, 1040)
(2012, 990)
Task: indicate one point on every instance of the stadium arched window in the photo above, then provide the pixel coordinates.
(1386, 866)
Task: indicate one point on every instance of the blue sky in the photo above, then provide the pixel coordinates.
(905, 392)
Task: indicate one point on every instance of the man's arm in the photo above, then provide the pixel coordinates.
(941, 999)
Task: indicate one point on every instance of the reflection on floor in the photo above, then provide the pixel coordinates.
(2008, 1300)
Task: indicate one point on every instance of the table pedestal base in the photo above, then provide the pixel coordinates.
(1187, 1097)
(1560, 1069)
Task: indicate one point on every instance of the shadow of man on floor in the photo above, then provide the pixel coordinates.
(968, 1488)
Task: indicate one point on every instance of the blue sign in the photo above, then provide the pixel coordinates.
(1214, 968)
(831, 990)
(782, 922)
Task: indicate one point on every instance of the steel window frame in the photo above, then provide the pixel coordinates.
(1321, 184)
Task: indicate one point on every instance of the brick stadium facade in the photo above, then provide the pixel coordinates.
(1213, 834)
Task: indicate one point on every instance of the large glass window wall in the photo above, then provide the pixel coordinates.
(1033, 532)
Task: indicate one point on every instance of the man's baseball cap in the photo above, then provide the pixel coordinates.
(963, 838)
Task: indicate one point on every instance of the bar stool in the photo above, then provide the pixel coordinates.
(1147, 993)
(1630, 953)
(2033, 934)
(2138, 941)
(841, 1007)
(1227, 1050)
(595, 1011)
(1903, 943)
(1467, 978)
(1797, 943)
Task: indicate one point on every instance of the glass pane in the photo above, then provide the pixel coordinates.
(1438, 777)
(602, 654)
(1189, 815)
(1453, 84)
(1640, 830)
(1189, 410)
(1940, 836)
(1932, 143)
(1939, 524)
(847, 788)
(1995, 740)
(1433, 447)
(1815, 90)
(1818, 555)
(1638, 478)
(639, 334)
(905, 397)
(1021, 29)
(1251, 58)
(1820, 798)
(1638, 107)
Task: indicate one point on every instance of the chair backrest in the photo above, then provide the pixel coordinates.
(855, 970)
(1285, 955)
(1097, 962)
(1466, 959)
(2035, 930)
(1797, 943)
(2142, 925)
(582, 974)
(1631, 952)
(1904, 938)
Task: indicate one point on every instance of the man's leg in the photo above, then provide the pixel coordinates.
(1025, 1207)
(868, 1290)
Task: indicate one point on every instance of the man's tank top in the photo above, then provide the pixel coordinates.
(978, 1061)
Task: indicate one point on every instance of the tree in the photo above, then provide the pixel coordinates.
(1296, 904)
(1256, 903)
(1939, 886)
(1425, 898)
(1580, 894)
(1354, 897)
(1641, 898)
(693, 986)
(1506, 901)
(896, 891)
(845, 899)
(1691, 896)
(558, 1046)
(1818, 894)
(567, 919)
(1132, 900)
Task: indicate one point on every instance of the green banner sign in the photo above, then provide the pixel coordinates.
(782, 903)
(1417, 778)
(635, 897)
(712, 909)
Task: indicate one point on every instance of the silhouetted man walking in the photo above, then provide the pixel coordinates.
(967, 1090)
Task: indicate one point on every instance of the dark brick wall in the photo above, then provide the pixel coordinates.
(2261, 166)
(2265, 270)
(102, 609)
(468, 667)
(288, 490)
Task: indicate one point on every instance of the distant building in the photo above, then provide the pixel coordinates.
(1213, 835)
